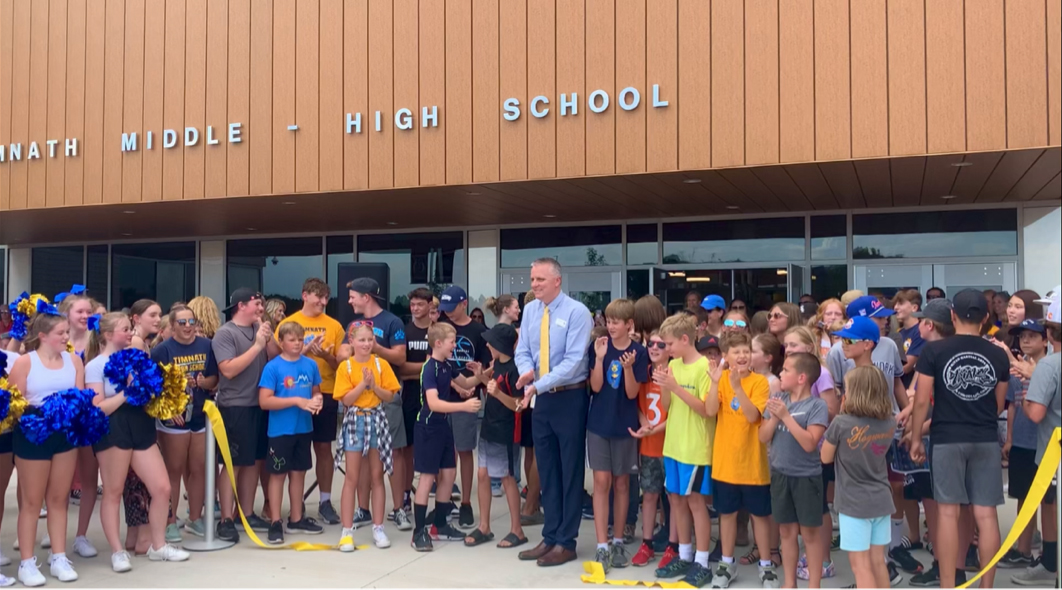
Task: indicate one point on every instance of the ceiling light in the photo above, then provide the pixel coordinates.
(289, 202)
(252, 229)
(698, 279)
(949, 197)
(733, 207)
(392, 223)
(677, 274)
(962, 164)
(782, 272)
(473, 194)
(127, 235)
(550, 216)
(129, 212)
(692, 181)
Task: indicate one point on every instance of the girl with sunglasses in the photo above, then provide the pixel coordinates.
(783, 316)
(735, 321)
(183, 439)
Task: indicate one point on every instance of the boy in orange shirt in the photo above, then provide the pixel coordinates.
(652, 417)
(740, 476)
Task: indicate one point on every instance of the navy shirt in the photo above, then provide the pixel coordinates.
(388, 329)
(193, 359)
(911, 344)
(611, 411)
(436, 375)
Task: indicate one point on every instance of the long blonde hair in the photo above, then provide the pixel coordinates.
(867, 394)
(206, 314)
(807, 338)
(42, 323)
(108, 324)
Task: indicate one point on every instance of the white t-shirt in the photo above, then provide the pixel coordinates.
(94, 374)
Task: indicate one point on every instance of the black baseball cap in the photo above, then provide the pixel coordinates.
(938, 310)
(708, 342)
(971, 305)
(242, 295)
(366, 286)
(502, 337)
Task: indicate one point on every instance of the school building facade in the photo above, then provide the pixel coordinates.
(751, 148)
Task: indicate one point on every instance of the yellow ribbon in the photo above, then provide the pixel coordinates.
(1040, 485)
(596, 575)
(222, 438)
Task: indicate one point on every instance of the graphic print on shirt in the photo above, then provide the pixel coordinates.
(878, 443)
(464, 353)
(303, 380)
(615, 371)
(970, 376)
(654, 414)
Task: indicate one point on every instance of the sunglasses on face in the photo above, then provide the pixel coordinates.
(776, 316)
(738, 308)
(188, 322)
(851, 341)
(733, 323)
(659, 345)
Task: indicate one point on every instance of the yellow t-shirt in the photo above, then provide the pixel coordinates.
(349, 376)
(333, 338)
(688, 438)
(739, 457)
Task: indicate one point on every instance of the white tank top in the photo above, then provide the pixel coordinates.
(43, 382)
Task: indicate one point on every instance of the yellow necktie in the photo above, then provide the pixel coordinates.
(543, 343)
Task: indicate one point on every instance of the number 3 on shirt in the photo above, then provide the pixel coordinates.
(654, 408)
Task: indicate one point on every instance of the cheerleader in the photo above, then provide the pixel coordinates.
(77, 307)
(147, 319)
(45, 470)
(130, 443)
(7, 466)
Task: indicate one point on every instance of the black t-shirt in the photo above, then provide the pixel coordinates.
(388, 329)
(500, 424)
(417, 351)
(194, 359)
(470, 347)
(436, 375)
(965, 371)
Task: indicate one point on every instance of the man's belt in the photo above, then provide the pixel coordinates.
(568, 387)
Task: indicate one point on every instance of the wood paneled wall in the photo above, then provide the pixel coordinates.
(750, 82)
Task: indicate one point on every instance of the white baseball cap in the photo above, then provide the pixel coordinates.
(1052, 311)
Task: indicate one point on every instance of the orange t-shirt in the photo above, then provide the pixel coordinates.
(738, 456)
(650, 407)
(349, 375)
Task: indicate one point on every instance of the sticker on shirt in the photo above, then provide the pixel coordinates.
(735, 404)
(615, 371)
(970, 376)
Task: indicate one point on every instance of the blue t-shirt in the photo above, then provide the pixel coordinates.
(435, 375)
(290, 379)
(611, 411)
(1024, 434)
(911, 344)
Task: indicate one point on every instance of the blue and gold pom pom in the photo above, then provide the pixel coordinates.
(174, 399)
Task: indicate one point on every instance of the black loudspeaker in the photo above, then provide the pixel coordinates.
(348, 271)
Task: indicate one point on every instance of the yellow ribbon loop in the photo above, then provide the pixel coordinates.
(1040, 485)
(595, 574)
(222, 437)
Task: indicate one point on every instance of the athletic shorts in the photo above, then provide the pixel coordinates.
(729, 498)
(527, 439)
(500, 460)
(409, 420)
(683, 479)
(618, 456)
(56, 444)
(795, 500)
(858, 534)
(326, 422)
(1022, 471)
(967, 473)
(129, 429)
(7, 441)
(651, 474)
(466, 431)
(433, 448)
(396, 423)
(290, 453)
(919, 486)
(248, 432)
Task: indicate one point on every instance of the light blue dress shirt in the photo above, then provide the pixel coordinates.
(570, 324)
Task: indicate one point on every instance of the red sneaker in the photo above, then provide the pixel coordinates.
(644, 556)
(669, 556)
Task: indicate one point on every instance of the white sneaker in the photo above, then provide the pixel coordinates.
(61, 568)
(168, 553)
(120, 562)
(84, 548)
(346, 541)
(44, 512)
(4, 560)
(30, 575)
(46, 541)
(6, 582)
(1036, 575)
(380, 537)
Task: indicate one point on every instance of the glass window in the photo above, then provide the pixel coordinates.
(740, 240)
(163, 272)
(829, 237)
(275, 267)
(637, 283)
(829, 282)
(761, 288)
(679, 289)
(54, 270)
(434, 260)
(96, 273)
(935, 234)
(571, 246)
(338, 249)
(642, 244)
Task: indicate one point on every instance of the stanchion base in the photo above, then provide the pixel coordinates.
(202, 545)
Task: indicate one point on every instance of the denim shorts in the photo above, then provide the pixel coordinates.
(858, 534)
(362, 422)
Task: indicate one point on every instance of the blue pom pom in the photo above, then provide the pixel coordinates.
(3, 364)
(5, 404)
(134, 373)
(90, 426)
(70, 411)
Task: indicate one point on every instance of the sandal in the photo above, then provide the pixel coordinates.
(477, 538)
(751, 558)
(511, 541)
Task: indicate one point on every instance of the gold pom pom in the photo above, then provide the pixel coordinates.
(70, 347)
(17, 407)
(174, 398)
(29, 306)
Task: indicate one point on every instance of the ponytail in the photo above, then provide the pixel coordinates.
(107, 325)
(497, 305)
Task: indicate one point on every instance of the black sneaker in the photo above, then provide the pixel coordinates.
(698, 576)
(276, 534)
(362, 518)
(1015, 560)
(929, 578)
(327, 513)
(716, 556)
(422, 541)
(960, 578)
(973, 560)
(905, 560)
(835, 544)
(257, 523)
(466, 520)
(226, 531)
(895, 579)
(448, 533)
(306, 526)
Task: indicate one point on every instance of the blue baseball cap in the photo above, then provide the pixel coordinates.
(868, 307)
(861, 328)
(451, 298)
(1030, 326)
(713, 302)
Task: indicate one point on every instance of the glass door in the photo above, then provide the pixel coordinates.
(680, 289)
(795, 274)
(997, 276)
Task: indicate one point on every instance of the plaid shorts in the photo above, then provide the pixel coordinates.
(651, 474)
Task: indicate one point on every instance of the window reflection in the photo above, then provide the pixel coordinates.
(642, 244)
(829, 237)
(571, 246)
(96, 273)
(163, 272)
(338, 249)
(637, 283)
(434, 260)
(829, 281)
(935, 234)
(275, 267)
(53, 270)
(741, 240)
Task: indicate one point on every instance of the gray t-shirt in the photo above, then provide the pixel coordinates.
(1045, 389)
(862, 489)
(1024, 431)
(786, 455)
(231, 341)
(886, 356)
